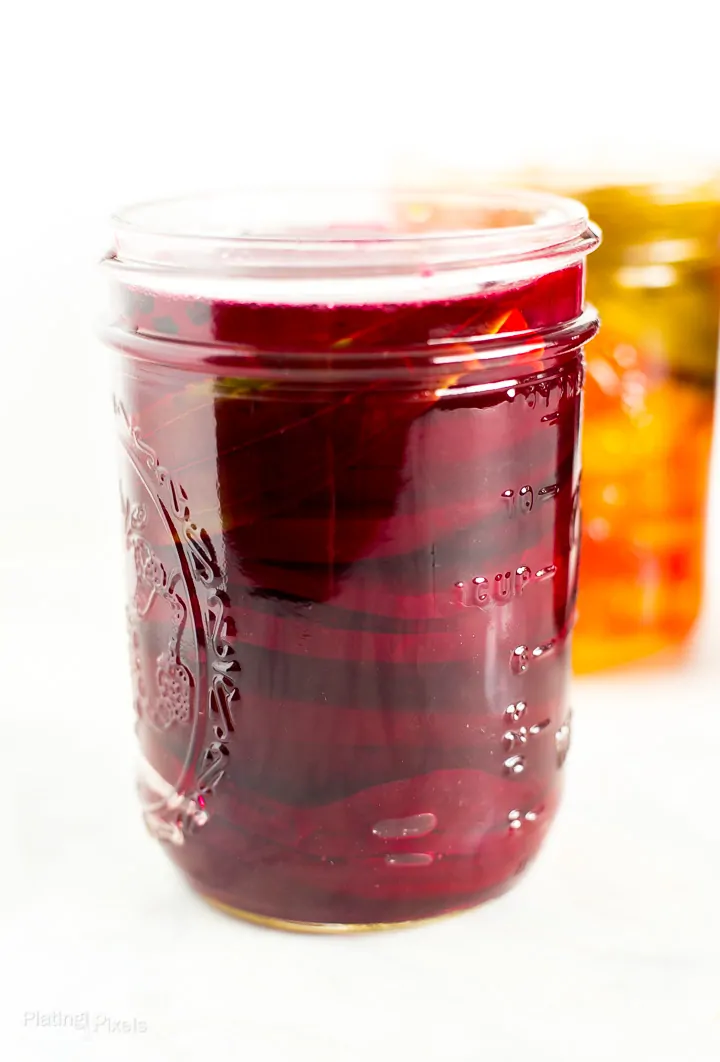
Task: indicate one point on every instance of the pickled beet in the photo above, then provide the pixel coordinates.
(351, 596)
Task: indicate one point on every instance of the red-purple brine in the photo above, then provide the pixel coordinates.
(349, 478)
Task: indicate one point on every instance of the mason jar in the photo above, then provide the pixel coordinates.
(649, 411)
(349, 427)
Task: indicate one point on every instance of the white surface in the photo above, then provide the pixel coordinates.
(610, 948)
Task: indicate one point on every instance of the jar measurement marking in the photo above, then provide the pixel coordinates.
(522, 656)
(487, 593)
(517, 818)
(522, 502)
(550, 389)
(519, 736)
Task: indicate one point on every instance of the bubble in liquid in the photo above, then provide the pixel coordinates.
(412, 826)
(409, 859)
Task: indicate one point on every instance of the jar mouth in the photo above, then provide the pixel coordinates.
(363, 244)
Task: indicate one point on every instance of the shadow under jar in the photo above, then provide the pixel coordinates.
(350, 475)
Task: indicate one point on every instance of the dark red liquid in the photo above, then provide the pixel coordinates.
(351, 594)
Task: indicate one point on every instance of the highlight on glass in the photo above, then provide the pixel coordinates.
(349, 429)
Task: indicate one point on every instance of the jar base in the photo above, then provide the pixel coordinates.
(322, 928)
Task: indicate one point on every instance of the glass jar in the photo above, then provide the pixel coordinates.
(648, 418)
(350, 472)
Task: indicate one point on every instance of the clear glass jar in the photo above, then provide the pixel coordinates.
(648, 424)
(350, 473)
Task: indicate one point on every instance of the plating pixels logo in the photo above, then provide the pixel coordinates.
(84, 1021)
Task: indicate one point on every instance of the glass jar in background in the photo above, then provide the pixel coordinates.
(350, 475)
(649, 398)
(648, 418)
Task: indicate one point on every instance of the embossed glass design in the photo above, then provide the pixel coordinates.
(350, 481)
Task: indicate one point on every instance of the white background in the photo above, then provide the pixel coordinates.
(612, 946)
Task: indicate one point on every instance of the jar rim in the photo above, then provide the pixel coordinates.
(403, 243)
